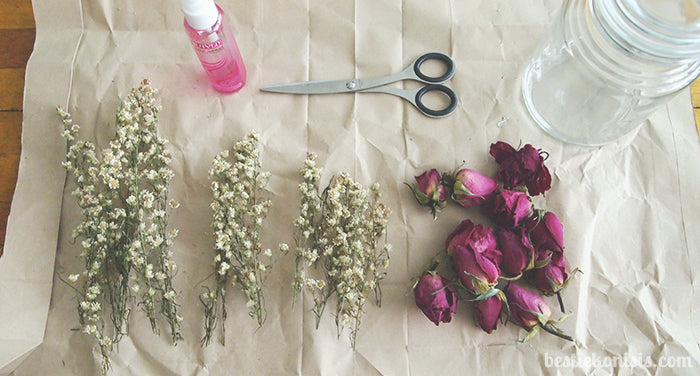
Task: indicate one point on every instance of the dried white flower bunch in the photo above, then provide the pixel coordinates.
(341, 245)
(239, 208)
(122, 194)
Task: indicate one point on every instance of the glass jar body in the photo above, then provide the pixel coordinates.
(599, 74)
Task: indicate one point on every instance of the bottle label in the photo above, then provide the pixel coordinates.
(211, 52)
(208, 46)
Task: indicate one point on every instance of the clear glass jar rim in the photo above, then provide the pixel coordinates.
(650, 33)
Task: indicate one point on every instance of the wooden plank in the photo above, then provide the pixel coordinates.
(4, 208)
(16, 14)
(17, 33)
(695, 93)
(695, 96)
(10, 149)
(697, 123)
(15, 47)
(11, 89)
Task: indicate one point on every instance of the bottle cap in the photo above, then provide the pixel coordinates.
(200, 14)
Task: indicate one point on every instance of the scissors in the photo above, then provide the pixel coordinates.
(377, 85)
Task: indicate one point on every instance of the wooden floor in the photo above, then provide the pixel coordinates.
(17, 32)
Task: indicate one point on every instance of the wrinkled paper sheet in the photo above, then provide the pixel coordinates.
(631, 209)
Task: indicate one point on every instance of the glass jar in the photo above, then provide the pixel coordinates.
(608, 64)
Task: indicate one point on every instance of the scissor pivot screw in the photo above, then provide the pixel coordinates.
(351, 84)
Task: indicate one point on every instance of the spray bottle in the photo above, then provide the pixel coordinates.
(212, 39)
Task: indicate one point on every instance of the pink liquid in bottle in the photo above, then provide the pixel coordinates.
(214, 45)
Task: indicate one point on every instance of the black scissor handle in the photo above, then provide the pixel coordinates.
(436, 113)
(449, 64)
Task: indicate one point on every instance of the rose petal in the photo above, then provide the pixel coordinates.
(488, 313)
(501, 151)
(460, 235)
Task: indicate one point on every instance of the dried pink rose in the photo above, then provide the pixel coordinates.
(435, 297)
(460, 235)
(518, 253)
(471, 187)
(530, 311)
(546, 231)
(527, 308)
(471, 264)
(472, 249)
(502, 151)
(429, 191)
(508, 209)
(488, 312)
(524, 167)
(552, 277)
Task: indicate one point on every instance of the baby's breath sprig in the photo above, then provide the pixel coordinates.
(123, 200)
(239, 209)
(339, 236)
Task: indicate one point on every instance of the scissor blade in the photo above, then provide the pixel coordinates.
(312, 87)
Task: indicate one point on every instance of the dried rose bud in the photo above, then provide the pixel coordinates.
(518, 253)
(530, 311)
(471, 187)
(508, 208)
(429, 191)
(551, 277)
(488, 312)
(483, 266)
(460, 235)
(546, 231)
(527, 308)
(524, 167)
(472, 249)
(435, 297)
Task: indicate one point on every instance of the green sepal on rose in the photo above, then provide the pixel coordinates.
(430, 191)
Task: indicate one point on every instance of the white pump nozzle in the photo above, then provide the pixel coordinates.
(200, 14)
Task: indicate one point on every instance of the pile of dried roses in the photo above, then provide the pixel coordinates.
(526, 244)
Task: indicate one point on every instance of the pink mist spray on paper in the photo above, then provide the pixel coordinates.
(212, 39)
